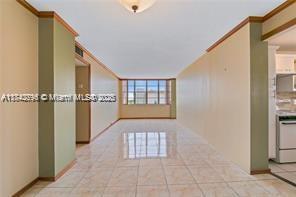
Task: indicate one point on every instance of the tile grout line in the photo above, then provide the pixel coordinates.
(227, 182)
(165, 176)
(113, 169)
(202, 192)
(231, 188)
(283, 179)
(136, 192)
(111, 141)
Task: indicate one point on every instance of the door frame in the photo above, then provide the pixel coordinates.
(88, 65)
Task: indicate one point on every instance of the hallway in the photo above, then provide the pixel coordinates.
(156, 158)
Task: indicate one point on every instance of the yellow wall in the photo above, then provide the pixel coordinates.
(102, 82)
(19, 74)
(279, 19)
(213, 97)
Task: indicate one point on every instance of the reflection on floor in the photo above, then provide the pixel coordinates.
(286, 171)
(137, 145)
(156, 158)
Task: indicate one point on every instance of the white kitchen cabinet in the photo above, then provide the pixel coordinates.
(286, 83)
(272, 100)
(285, 63)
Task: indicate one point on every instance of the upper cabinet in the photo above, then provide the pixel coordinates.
(285, 63)
(286, 83)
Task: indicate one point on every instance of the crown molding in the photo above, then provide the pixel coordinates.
(95, 59)
(258, 19)
(29, 7)
(278, 9)
(52, 14)
(48, 14)
(279, 29)
(250, 19)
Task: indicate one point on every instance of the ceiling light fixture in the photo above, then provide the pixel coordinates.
(137, 6)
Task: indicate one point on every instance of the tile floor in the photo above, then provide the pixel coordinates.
(286, 171)
(156, 158)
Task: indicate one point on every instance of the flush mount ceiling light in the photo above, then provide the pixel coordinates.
(137, 5)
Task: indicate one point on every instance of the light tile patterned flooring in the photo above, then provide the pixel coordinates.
(156, 158)
(286, 171)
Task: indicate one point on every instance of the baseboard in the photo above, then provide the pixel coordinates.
(50, 179)
(254, 172)
(137, 118)
(61, 173)
(47, 179)
(24, 189)
(82, 142)
(104, 130)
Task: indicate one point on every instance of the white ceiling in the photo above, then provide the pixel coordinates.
(285, 40)
(159, 42)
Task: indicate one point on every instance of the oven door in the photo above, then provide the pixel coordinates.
(287, 135)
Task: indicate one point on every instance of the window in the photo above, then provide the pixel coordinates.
(141, 91)
(146, 92)
(152, 92)
(130, 92)
(162, 92)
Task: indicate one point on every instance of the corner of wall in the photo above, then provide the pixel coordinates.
(259, 98)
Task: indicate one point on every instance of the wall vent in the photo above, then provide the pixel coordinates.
(79, 51)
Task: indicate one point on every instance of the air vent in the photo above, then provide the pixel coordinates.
(79, 51)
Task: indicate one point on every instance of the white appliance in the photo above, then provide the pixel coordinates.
(286, 139)
(286, 83)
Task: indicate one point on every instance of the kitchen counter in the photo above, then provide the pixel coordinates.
(285, 113)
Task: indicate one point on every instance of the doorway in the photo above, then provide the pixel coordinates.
(282, 105)
(83, 109)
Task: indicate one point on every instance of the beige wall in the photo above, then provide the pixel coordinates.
(213, 97)
(1, 107)
(19, 68)
(145, 111)
(56, 76)
(102, 82)
(279, 19)
(224, 97)
(64, 83)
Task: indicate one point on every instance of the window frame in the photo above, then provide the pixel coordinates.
(167, 91)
